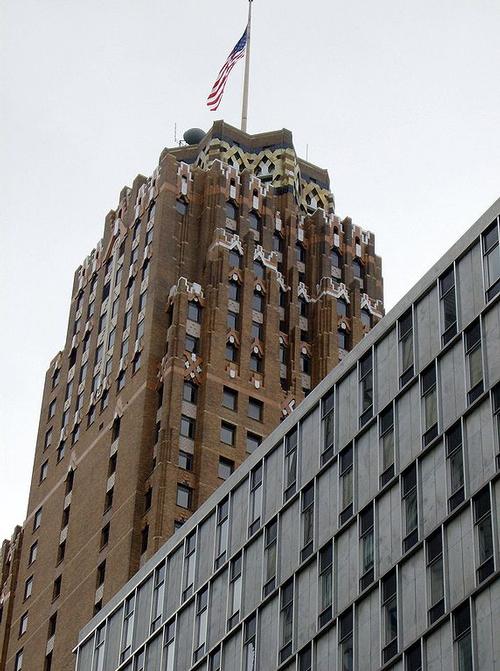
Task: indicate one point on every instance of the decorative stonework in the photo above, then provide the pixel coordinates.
(374, 307)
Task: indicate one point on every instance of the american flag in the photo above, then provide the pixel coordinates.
(215, 96)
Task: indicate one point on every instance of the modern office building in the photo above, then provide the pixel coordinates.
(364, 532)
(224, 288)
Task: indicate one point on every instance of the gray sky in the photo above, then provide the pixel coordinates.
(400, 101)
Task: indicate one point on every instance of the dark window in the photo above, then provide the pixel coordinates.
(184, 496)
(227, 433)
(189, 391)
(233, 291)
(341, 307)
(234, 259)
(255, 362)
(366, 388)
(253, 441)
(405, 330)
(226, 468)
(258, 301)
(255, 409)
(181, 207)
(491, 260)
(232, 320)
(185, 460)
(188, 426)
(410, 507)
(229, 398)
(192, 344)
(258, 269)
(194, 312)
(448, 305)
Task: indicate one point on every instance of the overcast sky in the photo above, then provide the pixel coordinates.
(399, 100)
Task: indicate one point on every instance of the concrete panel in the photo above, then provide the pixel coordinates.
(388, 525)
(433, 498)
(438, 650)
(451, 378)
(386, 370)
(252, 575)
(368, 630)
(327, 504)
(326, 651)
(153, 653)
(232, 653)
(309, 446)
(347, 404)
(142, 611)
(206, 539)
(460, 554)
(427, 328)
(367, 466)
(218, 606)
(174, 581)
(346, 553)
(273, 483)
(487, 628)
(470, 285)
(268, 636)
(412, 605)
(491, 337)
(408, 426)
(289, 541)
(184, 638)
(480, 451)
(239, 516)
(307, 604)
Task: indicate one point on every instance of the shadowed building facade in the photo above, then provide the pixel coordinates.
(223, 290)
(363, 534)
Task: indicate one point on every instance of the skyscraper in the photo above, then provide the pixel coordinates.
(364, 533)
(223, 290)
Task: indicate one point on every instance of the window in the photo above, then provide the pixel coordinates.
(194, 311)
(91, 415)
(346, 484)
(410, 507)
(257, 331)
(235, 582)
(496, 419)
(215, 660)
(143, 298)
(23, 624)
(140, 330)
(189, 391)
(189, 565)
(52, 625)
(148, 499)
(188, 426)
(455, 466)
(144, 538)
(37, 520)
(55, 378)
(429, 404)
(101, 573)
(282, 299)
(233, 291)
(366, 318)
(56, 589)
(227, 433)
(325, 579)
(128, 627)
(52, 409)
(390, 617)
(484, 535)
(108, 499)
(303, 307)
(366, 542)
(286, 621)
(200, 633)
(255, 508)
(255, 409)
(226, 468)
(405, 331)
(463, 637)
(366, 388)
(232, 320)
(61, 551)
(327, 417)
(231, 211)
(249, 644)
(253, 221)
(185, 460)
(491, 261)
(305, 364)
(335, 258)
(105, 536)
(44, 470)
(102, 323)
(221, 534)
(90, 310)
(184, 496)
(127, 320)
(252, 442)
(282, 354)
(231, 352)
(413, 658)
(270, 557)
(136, 230)
(277, 243)
(305, 659)
(69, 390)
(192, 344)
(115, 428)
(28, 587)
(19, 661)
(234, 259)
(474, 361)
(258, 269)
(33, 553)
(435, 576)
(61, 450)
(386, 433)
(120, 381)
(258, 301)
(181, 207)
(158, 597)
(448, 301)
(300, 252)
(307, 510)
(341, 307)
(169, 647)
(229, 398)
(346, 646)
(290, 464)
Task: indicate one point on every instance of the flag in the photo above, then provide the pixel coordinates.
(215, 96)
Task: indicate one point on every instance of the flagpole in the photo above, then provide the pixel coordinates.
(244, 110)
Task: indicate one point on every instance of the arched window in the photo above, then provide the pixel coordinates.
(305, 364)
(258, 301)
(231, 211)
(231, 352)
(181, 206)
(254, 221)
(256, 362)
(335, 258)
(233, 291)
(357, 269)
